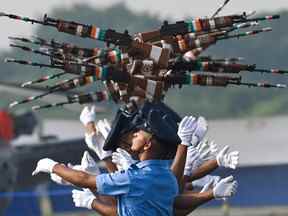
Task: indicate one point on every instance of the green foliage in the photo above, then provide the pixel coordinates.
(266, 50)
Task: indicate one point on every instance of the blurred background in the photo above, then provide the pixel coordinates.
(252, 121)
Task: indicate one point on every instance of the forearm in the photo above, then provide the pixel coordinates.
(203, 170)
(178, 164)
(190, 201)
(104, 208)
(110, 166)
(77, 178)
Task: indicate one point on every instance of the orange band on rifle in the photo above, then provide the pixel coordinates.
(198, 25)
(93, 32)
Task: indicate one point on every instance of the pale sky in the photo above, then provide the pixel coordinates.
(165, 9)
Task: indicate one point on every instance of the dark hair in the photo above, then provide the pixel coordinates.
(166, 152)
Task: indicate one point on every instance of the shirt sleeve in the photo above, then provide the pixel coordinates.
(113, 183)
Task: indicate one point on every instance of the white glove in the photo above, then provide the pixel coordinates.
(213, 148)
(44, 165)
(57, 179)
(200, 131)
(96, 142)
(88, 115)
(207, 150)
(206, 187)
(192, 157)
(83, 199)
(186, 129)
(103, 127)
(225, 188)
(205, 181)
(122, 159)
(228, 160)
(87, 165)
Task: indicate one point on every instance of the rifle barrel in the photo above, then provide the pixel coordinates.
(273, 71)
(51, 105)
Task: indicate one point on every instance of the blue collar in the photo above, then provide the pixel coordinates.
(161, 163)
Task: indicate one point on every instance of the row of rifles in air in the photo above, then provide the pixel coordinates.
(144, 65)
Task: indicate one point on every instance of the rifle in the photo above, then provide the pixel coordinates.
(91, 97)
(43, 79)
(151, 89)
(218, 81)
(107, 74)
(228, 60)
(27, 40)
(109, 36)
(28, 49)
(218, 67)
(220, 8)
(63, 86)
(36, 64)
(79, 29)
(189, 41)
(172, 79)
(206, 24)
(155, 36)
(201, 26)
(70, 52)
(68, 67)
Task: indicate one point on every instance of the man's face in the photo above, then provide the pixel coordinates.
(139, 140)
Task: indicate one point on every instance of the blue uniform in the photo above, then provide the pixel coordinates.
(146, 188)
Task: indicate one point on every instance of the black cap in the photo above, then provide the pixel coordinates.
(163, 108)
(161, 126)
(156, 118)
(121, 124)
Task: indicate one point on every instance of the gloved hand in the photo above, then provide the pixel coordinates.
(206, 187)
(213, 148)
(186, 129)
(228, 160)
(200, 131)
(44, 165)
(83, 199)
(191, 160)
(225, 188)
(57, 179)
(96, 142)
(88, 115)
(207, 150)
(122, 159)
(202, 183)
(87, 165)
(103, 127)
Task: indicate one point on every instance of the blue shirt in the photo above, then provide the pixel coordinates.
(146, 188)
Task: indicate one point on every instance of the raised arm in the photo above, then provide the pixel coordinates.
(75, 177)
(191, 131)
(187, 202)
(223, 159)
(185, 130)
(96, 134)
